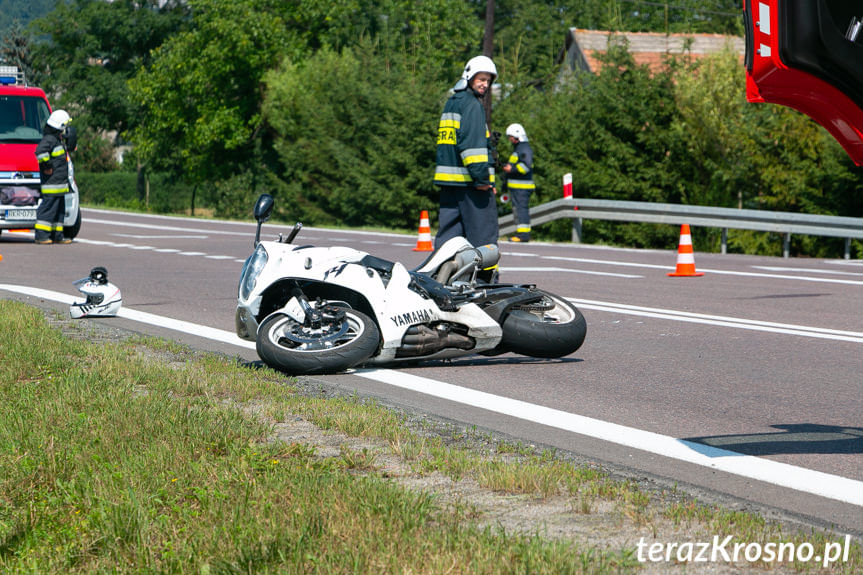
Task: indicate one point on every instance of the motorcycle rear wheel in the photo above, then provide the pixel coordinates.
(343, 341)
(551, 327)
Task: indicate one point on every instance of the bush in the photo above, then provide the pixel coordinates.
(119, 190)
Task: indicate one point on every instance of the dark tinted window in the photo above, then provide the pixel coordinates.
(22, 118)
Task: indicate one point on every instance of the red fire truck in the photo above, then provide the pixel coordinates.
(23, 112)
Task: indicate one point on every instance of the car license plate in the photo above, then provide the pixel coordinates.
(21, 215)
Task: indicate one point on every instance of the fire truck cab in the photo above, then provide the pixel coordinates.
(23, 113)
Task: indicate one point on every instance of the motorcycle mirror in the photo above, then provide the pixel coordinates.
(264, 208)
(263, 211)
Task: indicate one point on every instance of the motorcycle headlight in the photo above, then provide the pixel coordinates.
(251, 270)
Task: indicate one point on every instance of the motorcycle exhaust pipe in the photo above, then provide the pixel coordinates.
(422, 340)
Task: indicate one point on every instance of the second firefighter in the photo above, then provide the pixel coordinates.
(519, 171)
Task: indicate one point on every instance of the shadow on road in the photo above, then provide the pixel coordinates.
(795, 438)
(479, 360)
(471, 360)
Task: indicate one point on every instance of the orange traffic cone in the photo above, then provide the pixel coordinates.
(424, 243)
(685, 255)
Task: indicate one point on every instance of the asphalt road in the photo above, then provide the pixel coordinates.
(703, 380)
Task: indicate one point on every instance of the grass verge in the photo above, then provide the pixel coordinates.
(142, 456)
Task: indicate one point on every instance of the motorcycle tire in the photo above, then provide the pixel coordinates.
(284, 344)
(552, 327)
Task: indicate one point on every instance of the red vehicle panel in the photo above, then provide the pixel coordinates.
(797, 55)
(23, 112)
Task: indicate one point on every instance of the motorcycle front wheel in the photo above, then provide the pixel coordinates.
(550, 327)
(344, 339)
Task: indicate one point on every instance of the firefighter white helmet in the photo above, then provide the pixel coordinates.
(476, 65)
(103, 297)
(58, 119)
(517, 132)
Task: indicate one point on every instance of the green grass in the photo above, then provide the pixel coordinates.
(113, 463)
(146, 457)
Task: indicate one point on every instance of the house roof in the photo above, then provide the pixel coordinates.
(582, 47)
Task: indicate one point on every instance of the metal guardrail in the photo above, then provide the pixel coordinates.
(786, 223)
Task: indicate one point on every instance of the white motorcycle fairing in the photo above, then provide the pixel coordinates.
(396, 307)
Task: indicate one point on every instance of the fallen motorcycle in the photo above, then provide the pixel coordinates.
(315, 310)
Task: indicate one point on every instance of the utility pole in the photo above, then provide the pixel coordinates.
(488, 50)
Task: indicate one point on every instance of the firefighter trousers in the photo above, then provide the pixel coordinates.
(521, 207)
(467, 212)
(49, 217)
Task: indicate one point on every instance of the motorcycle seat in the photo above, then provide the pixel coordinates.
(379, 264)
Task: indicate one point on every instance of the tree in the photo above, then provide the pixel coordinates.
(93, 47)
(201, 95)
(19, 13)
(362, 154)
(203, 92)
(15, 50)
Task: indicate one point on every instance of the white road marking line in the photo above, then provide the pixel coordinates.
(152, 237)
(782, 474)
(784, 277)
(161, 250)
(774, 472)
(183, 225)
(212, 333)
(726, 321)
(168, 228)
(568, 270)
(852, 263)
(706, 270)
(807, 270)
(562, 258)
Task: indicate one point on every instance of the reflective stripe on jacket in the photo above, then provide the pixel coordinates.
(520, 177)
(51, 154)
(463, 144)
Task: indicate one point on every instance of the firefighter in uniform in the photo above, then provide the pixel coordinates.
(465, 169)
(519, 172)
(54, 173)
